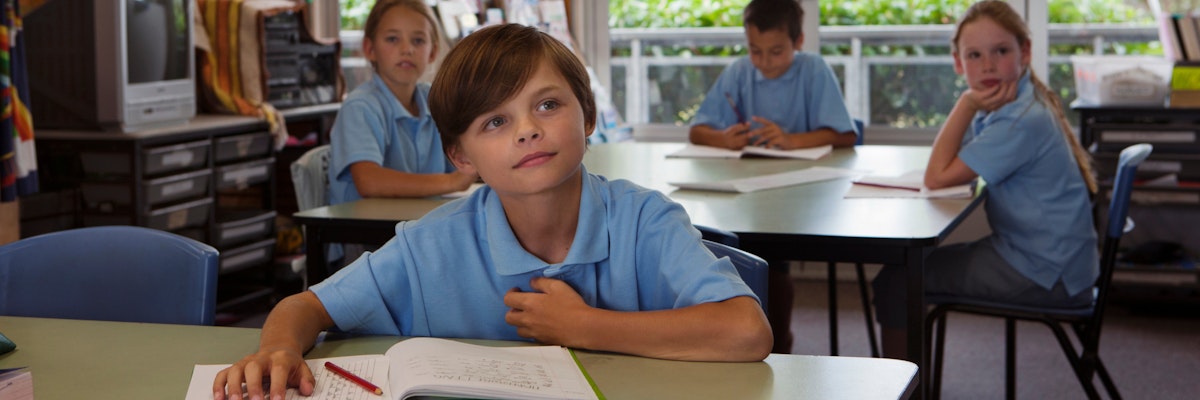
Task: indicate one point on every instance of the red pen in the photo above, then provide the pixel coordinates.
(354, 378)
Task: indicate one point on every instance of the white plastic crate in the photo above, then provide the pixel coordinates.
(1122, 80)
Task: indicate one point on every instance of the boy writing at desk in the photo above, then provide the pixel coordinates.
(778, 96)
(544, 252)
(792, 101)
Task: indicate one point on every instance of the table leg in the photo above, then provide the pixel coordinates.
(915, 261)
(316, 261)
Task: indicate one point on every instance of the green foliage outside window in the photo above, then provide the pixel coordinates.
(893, 102)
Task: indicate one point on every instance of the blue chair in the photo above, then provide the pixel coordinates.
(863, 292)
(718, 235)
(750, 267)
(112, 273)
(1085, 321)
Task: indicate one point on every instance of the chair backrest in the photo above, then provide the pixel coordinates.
(717, 235)
(859, 128)
(1118, 211)
(750, 267)
(112, 273)
(311, 179)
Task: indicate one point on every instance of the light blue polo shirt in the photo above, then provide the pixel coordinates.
(446, 274)
(1038, 205)
(373, 126)
(805, 98)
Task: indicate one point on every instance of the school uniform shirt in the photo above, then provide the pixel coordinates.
(1038, 204)
(805, 98)
(373, 126)
(446, 274)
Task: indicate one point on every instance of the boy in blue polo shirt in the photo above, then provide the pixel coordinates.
(545, 252)
(778, 96)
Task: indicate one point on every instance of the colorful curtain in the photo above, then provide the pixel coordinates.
(230, 59)
(18, 159)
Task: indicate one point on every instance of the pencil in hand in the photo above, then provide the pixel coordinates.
(354, 378)
(732, 104)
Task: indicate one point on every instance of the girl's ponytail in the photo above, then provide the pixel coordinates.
(1082, 158)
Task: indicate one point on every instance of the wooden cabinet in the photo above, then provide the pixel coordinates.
(213, 179)
(1162, 251)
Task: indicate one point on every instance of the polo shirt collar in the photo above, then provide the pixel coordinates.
(589, 247)
(393, 104)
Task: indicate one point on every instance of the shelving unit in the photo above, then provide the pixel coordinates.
(213, 179)
(1167, 213)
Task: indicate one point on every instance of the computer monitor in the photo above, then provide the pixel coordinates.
(124, 65)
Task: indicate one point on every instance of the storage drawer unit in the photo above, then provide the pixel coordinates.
(241, 147)
(1162, 212)
(212, 179)
(242, 226)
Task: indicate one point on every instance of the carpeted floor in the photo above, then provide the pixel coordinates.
(1150, 355)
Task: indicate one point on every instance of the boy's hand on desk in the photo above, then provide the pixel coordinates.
(769, 135)
(283, 369)
(735, 137)
(548, 315)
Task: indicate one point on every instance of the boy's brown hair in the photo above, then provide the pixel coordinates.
(774, 14)
(490, 66)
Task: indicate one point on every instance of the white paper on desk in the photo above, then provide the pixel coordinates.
(372, 367)
(701, 151)
(912, 180)
(868, 191)
(811, 153)
(756, 183)
(910, 185)
(464, 193)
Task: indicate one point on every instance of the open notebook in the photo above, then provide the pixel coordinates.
(441, 367)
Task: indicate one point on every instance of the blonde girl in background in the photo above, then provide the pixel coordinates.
(384, 142)
(1007, 128)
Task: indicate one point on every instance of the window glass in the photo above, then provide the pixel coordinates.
(877, 48)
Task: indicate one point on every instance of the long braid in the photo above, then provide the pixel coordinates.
(1082, 158)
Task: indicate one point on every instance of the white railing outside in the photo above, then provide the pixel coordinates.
(856, 64)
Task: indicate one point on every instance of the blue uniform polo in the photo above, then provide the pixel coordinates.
(373, 126)
(805, 98)
(1038, 204)
(446, 274)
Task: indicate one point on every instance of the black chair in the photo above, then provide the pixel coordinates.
(1085, 321)
(863, 292)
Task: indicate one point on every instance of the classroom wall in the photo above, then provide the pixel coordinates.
(10, 222)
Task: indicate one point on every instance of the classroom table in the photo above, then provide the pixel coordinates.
(811, 222)
(74, 359)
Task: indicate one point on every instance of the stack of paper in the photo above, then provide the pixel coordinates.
(756, 183)
(700, 151)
